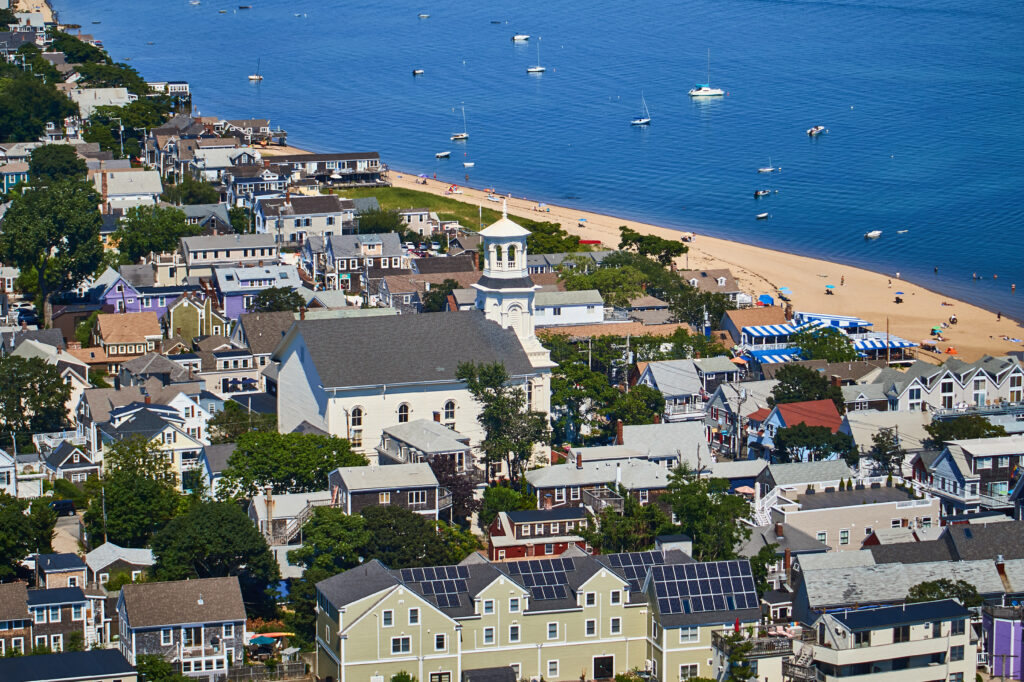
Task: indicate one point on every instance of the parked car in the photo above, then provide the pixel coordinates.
(63, 507)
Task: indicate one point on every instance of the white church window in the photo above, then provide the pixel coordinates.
(403, 413)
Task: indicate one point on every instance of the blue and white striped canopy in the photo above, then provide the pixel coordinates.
(841, 321)
(879, 343)
(772, 359)
(769, 330)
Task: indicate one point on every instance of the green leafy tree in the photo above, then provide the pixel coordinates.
(403, 676)
(277, 300)
(759, 564)
(191, 192)
(117, 128)
(512, 429)
(662, 250)
(580, 397)
(56, 231)
(214, 540)
(962, 428)
(27, 104)
(640, 406)
(616, 285)
(76, 51)
(377, 221)
(16, 535)
(7, 17)
(83, 330)
(887, 451)
(42, 519)
(154, 668)
(76, 641)
(799, 384)
(738, 648)
(152, 229)
(435, 300)
(708, 513)
(288, 462)
(33, 395)
(234, 420)
(239, 218)
(400, 538)
(631, 530)
(550, 238)
(55, 162)
(458, 542)
(138, 494)
(119, 580)
(813, 443)
(944, 588)
(106, 75)
(824, 343)
(503, 498)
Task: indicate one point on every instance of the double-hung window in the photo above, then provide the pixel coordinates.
(401, 645)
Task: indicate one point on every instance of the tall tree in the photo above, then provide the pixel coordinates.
(152, 229)
(798, 384)
(33, 395)
(400, 538)
(550, 238)
(239, 218)
(617, 285)
(16, 536)
(640, 406)
(137, 496)
(962, 428)
(55, 162)
(191, 192)
(660, 249)
(824, 343)
(631, 530)
(56, 231)
(227, 425)
(887, 451)
(27, 104)
(944, 588)
(154, 668)
(288, 462)
(512, 429)
(42, 519)
(708, 513)
(503, 498)
(435, 300)
(813, 443)
(459, 483)
(214, 540)
(277, 300)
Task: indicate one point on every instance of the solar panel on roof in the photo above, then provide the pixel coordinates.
(717, 586)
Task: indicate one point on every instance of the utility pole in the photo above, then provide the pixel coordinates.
(103, 497)
(120, 132)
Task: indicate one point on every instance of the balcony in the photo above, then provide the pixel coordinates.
(761, 647)
(599, 498)
(201, 651)
(684, 412)
(798, 673)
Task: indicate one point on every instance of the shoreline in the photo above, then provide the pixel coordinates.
(758, 270)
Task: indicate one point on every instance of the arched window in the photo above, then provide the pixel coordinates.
(498, 256)
(515, 318)
(510, 255)
(449, 411)
(357, 416)
(403, 413)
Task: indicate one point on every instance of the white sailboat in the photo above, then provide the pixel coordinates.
(538, 68)
(256, 76)
(645, 119)
(464, 135)
(769, 168)
(705, 89)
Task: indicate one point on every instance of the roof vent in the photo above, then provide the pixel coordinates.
(200, 600)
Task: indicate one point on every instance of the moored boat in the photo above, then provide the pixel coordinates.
(705, 89)
(645, 118)
(417, 72)
(815, 131)
(873, 234)
(442, 155)
(468, 164)
(762, 216)
(761, 193)
(520, 38)
(464, 135)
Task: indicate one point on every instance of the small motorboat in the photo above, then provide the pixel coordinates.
(460, 136)
(769, 168)
(468, 164)
(442, 155)
(494, 21)
(536, 69)
(417, 72)
(815, 131)
(762, 216)
(491, 197)
(520, 38)
(902, 231)
(194, 2)
(95, 22)
(151, 43)
(222, 11)
(245, 7)
(423, 15)
(873, 234)
(761, 193)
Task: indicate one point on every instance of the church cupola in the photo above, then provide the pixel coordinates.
(505, 291)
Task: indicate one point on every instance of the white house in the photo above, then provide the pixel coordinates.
(353, 377)
(126, 189)
(953, 385)
(569, 307)
(8, 479)
(88, 99)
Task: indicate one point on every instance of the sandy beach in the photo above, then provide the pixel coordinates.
(858, 292)
(34, 6)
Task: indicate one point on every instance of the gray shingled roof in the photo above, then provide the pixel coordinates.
(809, 472)
(207, 600)
(228, 241)
(263, 331)
(408, 348)
(427, 436)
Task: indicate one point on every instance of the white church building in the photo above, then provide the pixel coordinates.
(354, 377)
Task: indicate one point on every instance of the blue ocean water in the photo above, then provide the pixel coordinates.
(922, 100)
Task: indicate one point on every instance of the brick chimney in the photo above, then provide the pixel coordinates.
(147, 399)
(547, 501)
(787, 562)
(437, 416)
(579, 461)
(103, 190)
(302, 313)
(618, 432)
(779, 530)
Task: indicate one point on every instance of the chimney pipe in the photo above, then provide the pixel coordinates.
(437, 416)
(787, 563)
(268, 494)
(779, 530)
(147, 399)
(618, 432)
(579, 460)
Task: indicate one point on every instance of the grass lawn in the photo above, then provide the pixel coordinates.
(397, 198)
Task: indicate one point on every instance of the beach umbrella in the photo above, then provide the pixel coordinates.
(423, 175)
(582, 220)
(830, 286)
(899, 293)
(785, 290)
(766, 299)
(261, 641)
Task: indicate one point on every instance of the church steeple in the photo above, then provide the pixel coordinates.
(505, 290)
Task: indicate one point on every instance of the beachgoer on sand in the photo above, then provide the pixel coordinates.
(842, 281)
(890, 284)
(999, 316)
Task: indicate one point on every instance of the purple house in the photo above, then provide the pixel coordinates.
(1003, 639)
(237, 287)
(123, 297)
